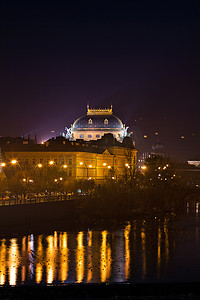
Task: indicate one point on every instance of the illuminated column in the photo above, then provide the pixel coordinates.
(159, 252)
(50, 257)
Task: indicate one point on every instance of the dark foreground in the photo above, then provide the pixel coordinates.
(104, 291)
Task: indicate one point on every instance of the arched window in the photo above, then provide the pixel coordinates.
(106, 121)
(90, 121)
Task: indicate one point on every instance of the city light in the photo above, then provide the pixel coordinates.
(51, 162)
(39, 165)
(126, 165)
(24, 179)
(145, 136)
(61, 178)
(104, 164)
(64, 166)
(90, 166)
(13, 161)
(109, 167)
(3, 164)
(81, 163)
(143, 167)
(55, 180)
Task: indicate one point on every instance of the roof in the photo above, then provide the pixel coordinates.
(101, 121)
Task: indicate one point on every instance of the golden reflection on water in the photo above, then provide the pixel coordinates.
(64, 252)
(13, 261)
(80, 257)
(50, 255)
(127, 250)
(89, 260)
(39, 259)
(92, 256)
(105, 260)
(2, 262)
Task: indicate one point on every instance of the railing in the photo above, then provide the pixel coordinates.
(17, 200)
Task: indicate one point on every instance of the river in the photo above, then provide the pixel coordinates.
(135, 251)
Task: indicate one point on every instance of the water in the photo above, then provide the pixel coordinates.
(143, 250)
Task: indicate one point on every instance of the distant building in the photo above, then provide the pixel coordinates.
(95, 124)
(94, 159)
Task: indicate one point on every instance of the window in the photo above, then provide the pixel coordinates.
(62, 161)
(90, 121)
(89, 136)
(81, 136)
(70, 172)
(55, 161)
(97, 136)
(70, 161)
(41, 160)
(34, 161)
(26, 161)
(106, 121)
(48, 160)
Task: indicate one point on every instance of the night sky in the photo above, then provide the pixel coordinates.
(143, 57)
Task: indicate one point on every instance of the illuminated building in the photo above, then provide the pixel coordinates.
(95, 159)
(95, 124)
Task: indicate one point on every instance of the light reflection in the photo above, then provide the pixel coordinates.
(143, 237)
(80, 257)
(89, 265)
(2, 262)
(166, 243)
(127, 250)
(50, 259)
(13, 261)
(39, 260)
(31, 256)
(64, 252)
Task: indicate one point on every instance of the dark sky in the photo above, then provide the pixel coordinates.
(141, 56)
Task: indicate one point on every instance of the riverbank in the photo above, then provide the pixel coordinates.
(105, 291)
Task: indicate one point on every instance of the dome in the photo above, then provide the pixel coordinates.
(98, 122)
(95, 124)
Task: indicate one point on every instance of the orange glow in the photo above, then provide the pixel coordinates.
(80, 257)
(39, 165)
(14, 161)
(109, 167)
(50, 259)
(2, 262)
(64, 166)
(90, 166)
(143, 167)
(159, 252)
(104, 164)
(105, 263)
(61, 178)
(13, 261)
(127, 250)
(143, 238)
(63, 257)
(81, 163)
(3, 164)
(24, 179)
(39, 260)
(51, 162)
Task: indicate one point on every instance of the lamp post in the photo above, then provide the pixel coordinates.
(86, 167)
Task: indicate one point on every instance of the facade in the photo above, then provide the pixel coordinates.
(95, 124)
(95, 159)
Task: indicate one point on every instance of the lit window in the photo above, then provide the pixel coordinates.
(106, 121)
(70, 161)
(89, 136)
(97, 136)
(34, 161)
(90, 121)
(81, 136)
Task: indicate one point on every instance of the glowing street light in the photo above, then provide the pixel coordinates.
(55, 180)
(13, 162)
(61, 178)
(109, 167)
(24, 179)
(3, 164)
(143, 167)
(104, 164)
(64, 166)
(39, 165)
(90, 166)
(126, 165)
(51, 162)
(81, 163)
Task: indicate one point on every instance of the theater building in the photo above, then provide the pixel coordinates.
(80, 159)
